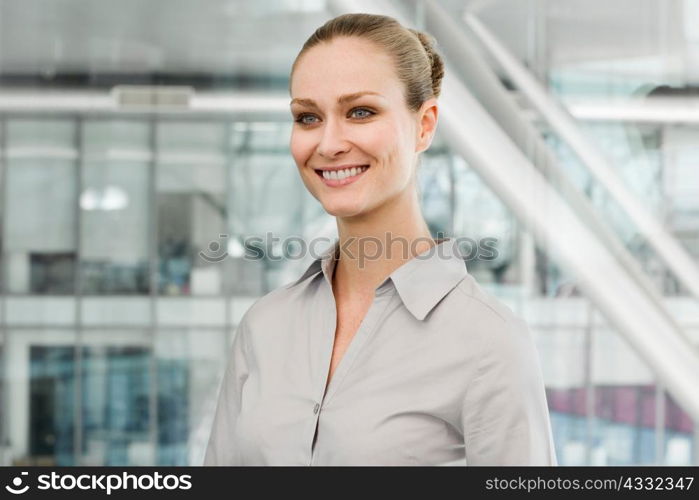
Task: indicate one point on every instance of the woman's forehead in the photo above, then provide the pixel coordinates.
(341, 67)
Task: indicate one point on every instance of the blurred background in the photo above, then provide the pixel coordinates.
(136, 134)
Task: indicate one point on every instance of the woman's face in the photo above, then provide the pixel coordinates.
(349, 110)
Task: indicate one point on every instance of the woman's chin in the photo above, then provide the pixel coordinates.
(343, 209)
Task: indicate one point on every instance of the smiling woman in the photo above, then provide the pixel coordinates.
(346, 91)
(393, 358)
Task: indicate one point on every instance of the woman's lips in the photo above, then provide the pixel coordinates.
(341, 182)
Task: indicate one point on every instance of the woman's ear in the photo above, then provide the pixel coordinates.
(427, 124)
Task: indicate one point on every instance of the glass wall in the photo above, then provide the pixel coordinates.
(114, 223)
(39, 237)
(125, 222)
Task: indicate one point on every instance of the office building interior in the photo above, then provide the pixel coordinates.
(143, 143)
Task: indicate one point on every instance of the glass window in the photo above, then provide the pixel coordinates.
(564, 375)
(4, 445)
(40, 218)
(116, 405)
(267, 201)
(114, 207)
(191, 183)
(487, 223)
(51, 404)
(190, 364)
(435, 177)
(679, 435)
(623, 422)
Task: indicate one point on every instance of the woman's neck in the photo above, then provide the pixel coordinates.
(376, 244)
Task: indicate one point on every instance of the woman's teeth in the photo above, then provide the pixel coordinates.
(343, 174)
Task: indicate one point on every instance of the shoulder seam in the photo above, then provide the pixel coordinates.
(260, 299)
(471, 296)
(300, 282)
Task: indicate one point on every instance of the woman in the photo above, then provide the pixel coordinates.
(385, 351)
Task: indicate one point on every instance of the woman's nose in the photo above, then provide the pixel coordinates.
(333, 140)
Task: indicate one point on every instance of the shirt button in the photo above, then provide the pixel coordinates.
(316, 408)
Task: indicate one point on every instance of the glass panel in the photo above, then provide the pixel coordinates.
(39, 236)
(266, 200)
(625, 424)
(39, 232)
(191, 207)
(624, 403)
(190, 364)
(480, 215)
(39, 380)
(182, 311)
(114, 207)
(680, 186)
(3, 173)
(32, 138)
(4, 441)
(560, 351)
(51, 404)
(679, 440)
(435, 189)
(111, 311)
(39, 310)
(116, 405)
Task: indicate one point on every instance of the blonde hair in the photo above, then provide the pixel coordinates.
(418, 65)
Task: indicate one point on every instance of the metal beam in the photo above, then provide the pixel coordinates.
(487, 89)
(665, 244)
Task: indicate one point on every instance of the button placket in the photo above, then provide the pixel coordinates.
(376, 311)
(366, 329)
(322, 388)
(316, 417)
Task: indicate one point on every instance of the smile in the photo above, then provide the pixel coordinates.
(337, 178)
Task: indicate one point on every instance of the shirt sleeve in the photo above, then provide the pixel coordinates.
(221, 449)
(505, 416)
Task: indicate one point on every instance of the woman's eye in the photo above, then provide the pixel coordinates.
(302, 119)
(367, 112)
(360, 113)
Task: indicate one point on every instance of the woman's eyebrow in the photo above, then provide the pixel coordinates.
(340, 100)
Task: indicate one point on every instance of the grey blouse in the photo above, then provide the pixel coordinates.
(439, 372)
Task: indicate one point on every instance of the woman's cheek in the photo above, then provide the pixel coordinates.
(377, 138)
(302, 146)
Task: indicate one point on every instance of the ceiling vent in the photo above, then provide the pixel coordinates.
(140, 97)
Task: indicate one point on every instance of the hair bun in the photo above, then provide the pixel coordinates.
(420, 76)
(428, 43)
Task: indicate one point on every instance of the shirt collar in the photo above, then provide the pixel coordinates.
(421, 282)
(325, 262)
